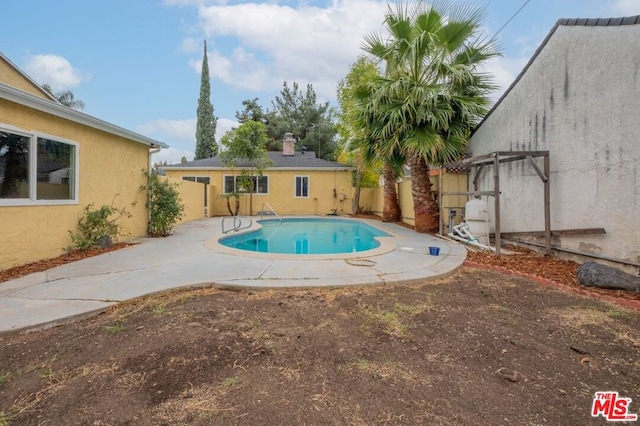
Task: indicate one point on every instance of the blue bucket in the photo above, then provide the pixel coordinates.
(434, 251)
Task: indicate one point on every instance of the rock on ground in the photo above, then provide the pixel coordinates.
(593, 274)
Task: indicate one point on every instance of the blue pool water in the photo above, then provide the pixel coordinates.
(308, 236)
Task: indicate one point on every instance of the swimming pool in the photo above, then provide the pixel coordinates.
(308, 236)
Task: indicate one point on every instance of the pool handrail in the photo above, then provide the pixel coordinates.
(272, 211)
(237, 223)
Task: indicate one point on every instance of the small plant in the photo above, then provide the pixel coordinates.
(160, 309)
(4, 377)
(7, 417)
(617, 313)
(229, 382)
(236, 196)
(97, 227)
(165, 206)
(116, 328)
(47, 373)
(363, 364)
(185, 297)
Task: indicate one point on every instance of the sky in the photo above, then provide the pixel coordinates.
(136, 63)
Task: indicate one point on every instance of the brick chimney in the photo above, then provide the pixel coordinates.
(288, 145)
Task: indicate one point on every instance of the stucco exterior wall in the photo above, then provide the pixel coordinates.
(191, 197)
(580, 100)
(373, 198)
(281, 196)
(110, 171)
(405, 199)
(13, 78)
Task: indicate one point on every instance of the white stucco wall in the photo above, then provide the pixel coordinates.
(580, 100)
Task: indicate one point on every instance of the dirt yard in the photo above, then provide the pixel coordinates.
(477, 348)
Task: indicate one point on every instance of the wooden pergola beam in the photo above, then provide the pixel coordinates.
(554, 233)
(496, 158)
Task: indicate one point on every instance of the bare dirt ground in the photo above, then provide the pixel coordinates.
(477, 348)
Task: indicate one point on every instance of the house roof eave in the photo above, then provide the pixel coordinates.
(178, 168)
(57, 109)
(27, 77)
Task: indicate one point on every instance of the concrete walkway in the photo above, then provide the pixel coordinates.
(192, 257)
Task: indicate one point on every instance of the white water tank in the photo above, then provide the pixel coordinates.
(477, 217)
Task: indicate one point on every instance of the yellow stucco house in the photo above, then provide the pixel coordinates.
(296, 183)
(53, 162)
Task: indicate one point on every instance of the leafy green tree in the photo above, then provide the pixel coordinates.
(246, 149)
(158, 164)
(252, 112)
(351, 131)
(310, 122)
(65, 97)
(393, 163)
(364, 175)
(206, 145)
(432, 94)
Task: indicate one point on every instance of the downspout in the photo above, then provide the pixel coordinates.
(151, 152)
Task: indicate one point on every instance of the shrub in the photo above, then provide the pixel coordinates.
(97, 228)
(165, 206)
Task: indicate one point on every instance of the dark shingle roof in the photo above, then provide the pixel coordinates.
(307, 160)
(591, 22)
(599, 22)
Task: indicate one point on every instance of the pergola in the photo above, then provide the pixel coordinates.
(480, 162)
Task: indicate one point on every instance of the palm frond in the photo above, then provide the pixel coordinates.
(433, 91)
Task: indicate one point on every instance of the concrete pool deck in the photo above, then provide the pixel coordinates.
(192, 257)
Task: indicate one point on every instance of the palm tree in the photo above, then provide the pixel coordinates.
(353, 134)
(369, 147)
(432, 94)
(65, 97)
(373, 149)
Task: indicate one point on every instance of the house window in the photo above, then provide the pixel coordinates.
(243, 184)
(14, 165)
(302, 186)
(55, 165)
(199, 179)
(36, 169)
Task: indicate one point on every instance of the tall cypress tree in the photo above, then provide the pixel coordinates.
(206, 145)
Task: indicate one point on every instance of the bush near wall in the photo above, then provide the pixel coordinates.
(164, 203)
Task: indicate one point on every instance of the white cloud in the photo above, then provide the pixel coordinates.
(625, 7)
(224, 125)
(504, 70)
(276, 42)
(54, 70)
(172, 155)
(170, 131)
(190, 45)
(180, 136)
(273, 42)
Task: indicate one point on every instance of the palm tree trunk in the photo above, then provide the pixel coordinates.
(391, 208)
(424, 205)
(356, 195)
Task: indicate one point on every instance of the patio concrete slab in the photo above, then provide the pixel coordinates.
(193, 257)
